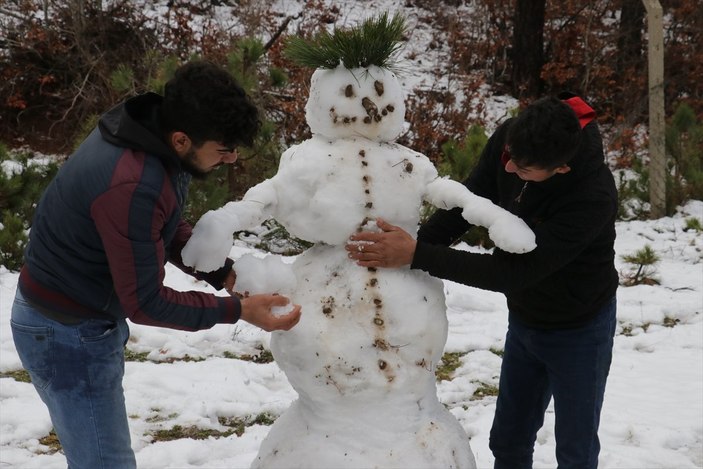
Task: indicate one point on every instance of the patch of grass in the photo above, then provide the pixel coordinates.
(693, 224)
(178, 432)
(670, 322)
(485, 390)
(240, 423)
(264, 418)
(185, 358)
(264, 356)
(236, 426)
(52, 441)
(160, 418)
(18, 375)
(132, 356)
(448, 364)
(497, 351)
(628, 330)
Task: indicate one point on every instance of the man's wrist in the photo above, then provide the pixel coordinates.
(229, 281)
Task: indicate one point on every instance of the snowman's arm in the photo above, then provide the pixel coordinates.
(257, 206)
(447, 194)
(211, 241)
(507, 231)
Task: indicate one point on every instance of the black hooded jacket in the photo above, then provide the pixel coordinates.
(108, 223)
(565, 281)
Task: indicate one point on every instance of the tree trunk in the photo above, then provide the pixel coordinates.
(528, 48)
(657, 155)
(630, 39)
(631, 62)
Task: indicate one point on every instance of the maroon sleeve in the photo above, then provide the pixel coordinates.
(129, 218)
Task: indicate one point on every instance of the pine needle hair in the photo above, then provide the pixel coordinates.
(374, 42)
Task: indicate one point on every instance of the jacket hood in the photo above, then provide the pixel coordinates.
(134, 124)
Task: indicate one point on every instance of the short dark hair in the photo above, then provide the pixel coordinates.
(546, 134)
(205, 102)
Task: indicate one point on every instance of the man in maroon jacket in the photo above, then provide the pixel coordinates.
(547, 167)
(102, 233)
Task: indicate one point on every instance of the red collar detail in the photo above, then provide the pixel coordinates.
(584, 112)
(505, 156)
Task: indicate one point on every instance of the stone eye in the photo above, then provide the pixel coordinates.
(379, 87)
(349, 91)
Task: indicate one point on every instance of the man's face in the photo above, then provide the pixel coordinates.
(209, 156)
(533, 173)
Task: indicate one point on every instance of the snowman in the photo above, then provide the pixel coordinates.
(362, 358)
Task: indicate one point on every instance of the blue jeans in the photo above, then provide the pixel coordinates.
(570, 365)
(77, 371)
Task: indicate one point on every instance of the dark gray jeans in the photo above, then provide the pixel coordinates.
(570, 365)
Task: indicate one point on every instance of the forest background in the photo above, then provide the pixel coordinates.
(63, 63)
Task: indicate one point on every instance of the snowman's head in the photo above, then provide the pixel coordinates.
(358, 102)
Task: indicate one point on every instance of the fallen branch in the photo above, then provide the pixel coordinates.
(280, 30)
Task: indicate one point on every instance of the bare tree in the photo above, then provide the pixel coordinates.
(630, 38)
(528, 47)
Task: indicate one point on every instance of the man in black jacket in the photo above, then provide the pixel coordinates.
(547, 167)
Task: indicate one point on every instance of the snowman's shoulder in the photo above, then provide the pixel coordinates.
(420, 163)
(420, 158)
(397, 148)
(307, 154)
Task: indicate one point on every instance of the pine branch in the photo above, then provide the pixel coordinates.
(374, 42)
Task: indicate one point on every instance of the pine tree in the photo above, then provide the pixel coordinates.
(22, 181)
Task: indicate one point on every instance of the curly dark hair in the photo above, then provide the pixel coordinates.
(546, 134)
(205, 102)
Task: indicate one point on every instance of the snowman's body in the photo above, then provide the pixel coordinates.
(341, 184)
(362, 361)
(362, 358)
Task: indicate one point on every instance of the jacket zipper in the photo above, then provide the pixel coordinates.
(518, 199)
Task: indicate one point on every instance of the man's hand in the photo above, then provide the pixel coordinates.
(393, 247)
(256, 310)
(229, 282)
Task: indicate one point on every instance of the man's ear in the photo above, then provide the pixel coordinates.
(180, 142)
(563, 169)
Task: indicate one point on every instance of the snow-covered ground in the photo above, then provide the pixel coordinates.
(652, 418)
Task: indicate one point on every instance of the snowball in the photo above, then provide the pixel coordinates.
(268, 275)
(282, 310)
